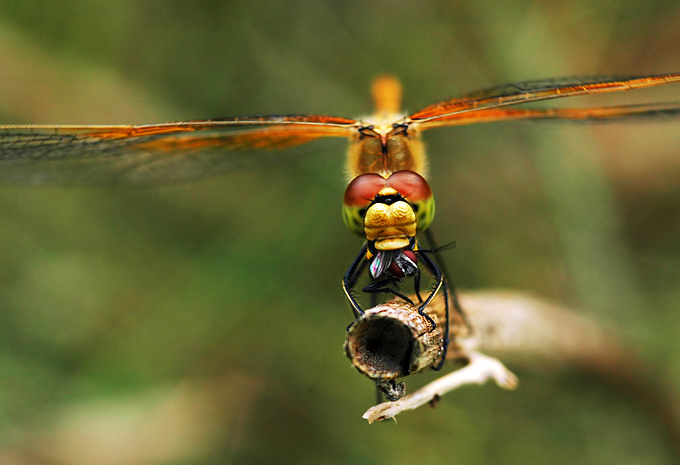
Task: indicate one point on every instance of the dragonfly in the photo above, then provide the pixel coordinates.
(388, 201)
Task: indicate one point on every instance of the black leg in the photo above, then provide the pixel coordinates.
(447, 328)
(416, 285)
(432, 243)
(438, 277)
(378, 287)
(352, 276)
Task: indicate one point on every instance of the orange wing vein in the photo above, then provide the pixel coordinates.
(151, 154)
(450, 112)
(600, 114)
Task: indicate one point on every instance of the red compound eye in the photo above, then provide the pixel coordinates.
(363, 189)
(400, 268)
(410, 185)
(411, 255)
(396, 271)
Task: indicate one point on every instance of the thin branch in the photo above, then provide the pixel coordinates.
(480, 370)
(519, 328)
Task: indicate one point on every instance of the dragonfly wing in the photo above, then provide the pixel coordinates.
(651, 112)
(152, 154)
(533, 91)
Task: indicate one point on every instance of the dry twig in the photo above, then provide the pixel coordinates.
(511, 326)
(480, 370)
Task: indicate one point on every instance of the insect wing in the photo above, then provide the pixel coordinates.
(485, 105)
(151, 154)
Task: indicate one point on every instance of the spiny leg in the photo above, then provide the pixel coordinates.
(439, 278)
(441, 284)
(381, 286)
(379, 393)
(452, 289)
(416, 285)
(352, 275)
(447, 328)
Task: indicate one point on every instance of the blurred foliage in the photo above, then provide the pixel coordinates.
(113, 301)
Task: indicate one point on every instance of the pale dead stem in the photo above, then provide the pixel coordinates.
(480, 370)
(511, 326)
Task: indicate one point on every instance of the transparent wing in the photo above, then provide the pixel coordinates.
(151, 154)
(478, 105)
(601, 114)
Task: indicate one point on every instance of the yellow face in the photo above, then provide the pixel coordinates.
(390, 225)
(388, 211)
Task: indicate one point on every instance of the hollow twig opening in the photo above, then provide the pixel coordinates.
(382, 346)
(391, 341)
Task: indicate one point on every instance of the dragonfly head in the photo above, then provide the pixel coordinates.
(390, 221)
(388, 211)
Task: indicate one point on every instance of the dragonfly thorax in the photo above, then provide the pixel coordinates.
(385, 149)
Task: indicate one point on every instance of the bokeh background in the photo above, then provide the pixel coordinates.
(203, 323)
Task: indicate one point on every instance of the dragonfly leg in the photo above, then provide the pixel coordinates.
(416, 285)
(452, 290)
(439, 278)
(381, 287)
(445, 336)
(351, 277)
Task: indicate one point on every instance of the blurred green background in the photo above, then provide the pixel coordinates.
(203, 323)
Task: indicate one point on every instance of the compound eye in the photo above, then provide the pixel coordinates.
(410, 185)
(363, 189)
